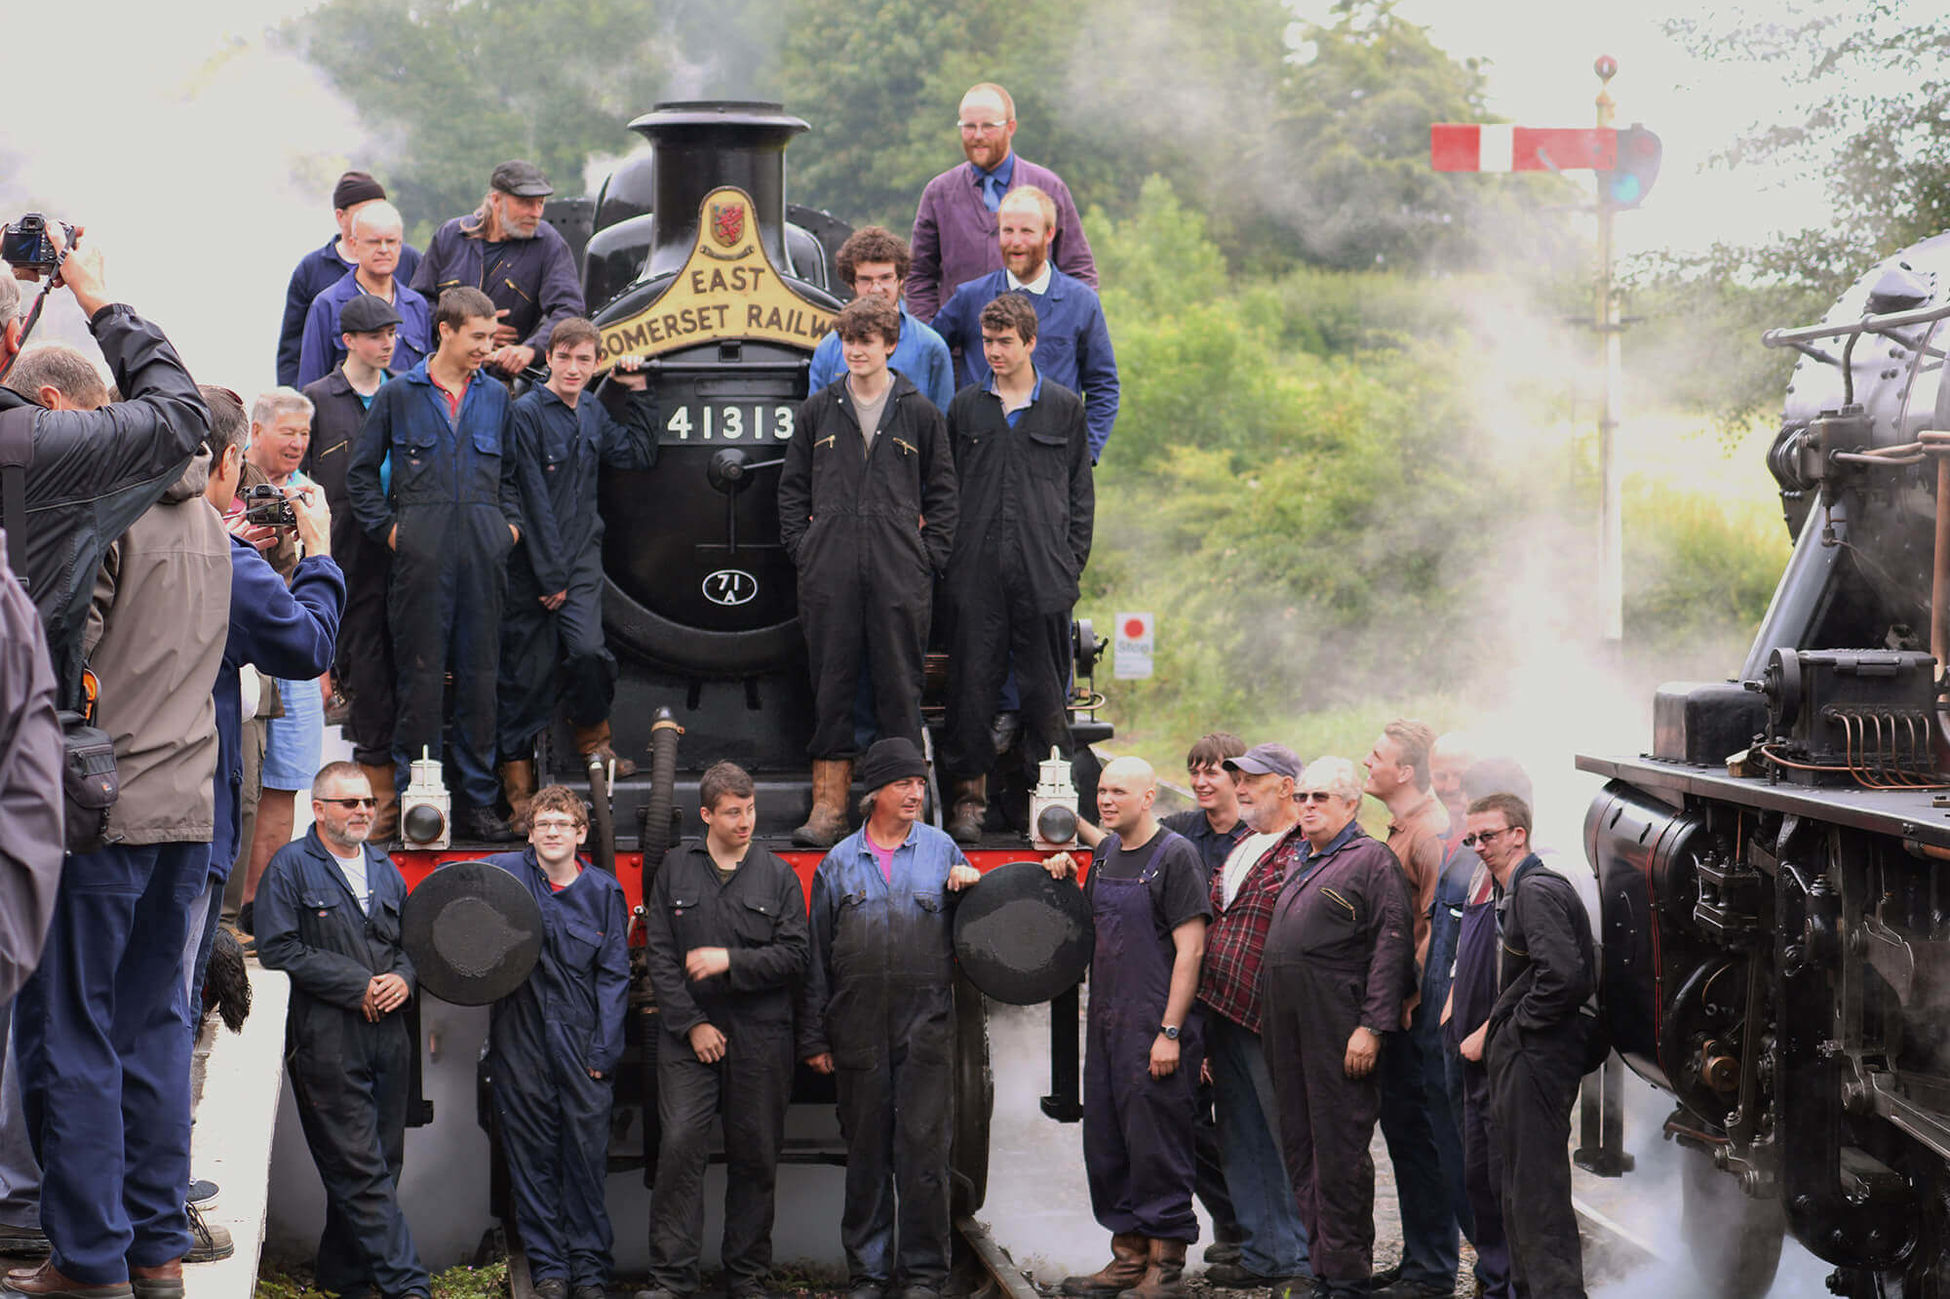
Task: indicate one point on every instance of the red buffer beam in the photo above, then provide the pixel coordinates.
(1457, 146)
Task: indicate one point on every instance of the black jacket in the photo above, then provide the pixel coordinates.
(1546, 959)
(1027, 500)
(96, 472)
(759, 916)
(838, 499)
(337, 416)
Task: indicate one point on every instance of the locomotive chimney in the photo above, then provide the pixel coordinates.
(701, 145)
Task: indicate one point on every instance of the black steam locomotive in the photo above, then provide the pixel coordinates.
(1775, 875)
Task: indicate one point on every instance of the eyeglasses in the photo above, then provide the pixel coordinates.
(351, 802)
(564, 826)
(1312, 796)
(980, 128)
(1484, 837)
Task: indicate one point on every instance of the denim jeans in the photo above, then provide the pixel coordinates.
(1274, 1244)
(1430, 1252)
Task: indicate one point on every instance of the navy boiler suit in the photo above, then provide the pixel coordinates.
(557, 453)
(868, 528)
(1138, 1130)
(1474, 993)
(759, 917)
(1028, 508)
(544, 1040)
(1535, 1053)
(453, 498)
(350, 1076)
(880, 997)
(1339, 955)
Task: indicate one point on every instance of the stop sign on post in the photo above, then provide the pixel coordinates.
(1135, 640)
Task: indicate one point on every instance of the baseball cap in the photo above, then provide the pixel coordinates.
(522, 179)
(1267, 760)
(366, 313)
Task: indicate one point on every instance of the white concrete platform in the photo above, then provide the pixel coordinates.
(232, 1142)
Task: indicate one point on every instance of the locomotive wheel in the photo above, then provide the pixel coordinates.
(1733, 1239)
(968, 1158)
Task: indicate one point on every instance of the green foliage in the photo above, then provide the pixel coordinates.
(489, 1282)
(1697, 566)
(449, 88)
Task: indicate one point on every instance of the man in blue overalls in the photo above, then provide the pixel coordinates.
(879, 1013)
(553, 1045)
(1149, 897)
(328, 915)
(450, 515)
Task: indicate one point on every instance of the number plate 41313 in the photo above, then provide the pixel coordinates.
(729, 422)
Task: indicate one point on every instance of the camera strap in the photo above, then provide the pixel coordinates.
(16, 449)
(34, 313)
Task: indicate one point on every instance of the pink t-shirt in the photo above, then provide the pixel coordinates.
(885, 856)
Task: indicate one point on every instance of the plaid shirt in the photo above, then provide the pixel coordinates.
(1229, 982)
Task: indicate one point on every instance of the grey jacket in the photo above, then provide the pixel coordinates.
(31, 831)
(155, 637)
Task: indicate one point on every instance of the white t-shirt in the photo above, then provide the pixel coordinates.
(354, 870)
(1240, 864)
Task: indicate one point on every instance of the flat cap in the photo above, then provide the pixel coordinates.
(1267, 760)
(889, 760)
(522, 179)
(356, 187)
(366, 313)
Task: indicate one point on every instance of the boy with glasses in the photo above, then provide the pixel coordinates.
(328, 915)
(553, 1044)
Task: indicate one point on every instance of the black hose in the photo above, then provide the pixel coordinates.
(656, 832)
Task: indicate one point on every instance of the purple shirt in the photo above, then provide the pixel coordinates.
(955, 235)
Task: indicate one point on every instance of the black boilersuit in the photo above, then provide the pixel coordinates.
(1535, 1052)
(1027, 509)
(868, 529)
(759, 916)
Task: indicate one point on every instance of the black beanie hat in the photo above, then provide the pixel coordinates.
(890, 760)
(355, 187)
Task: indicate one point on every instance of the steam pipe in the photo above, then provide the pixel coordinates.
(1894, 320)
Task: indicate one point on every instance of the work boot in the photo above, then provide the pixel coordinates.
(385, 812)
(1164, 1272)
(1128, 1255)
(163, 1281)
(45, 1283)
(831, 779)
(1223, 1251)
(553, 1287)
(481, 825)
(594, 740)
(971, 805)
(209, 1241)
(518, 785)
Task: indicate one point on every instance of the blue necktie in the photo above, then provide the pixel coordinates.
(992, 190)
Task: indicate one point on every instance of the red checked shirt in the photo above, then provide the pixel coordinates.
(1229, 982)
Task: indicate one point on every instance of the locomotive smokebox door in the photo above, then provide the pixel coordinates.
(1023, 937)
(474, 933)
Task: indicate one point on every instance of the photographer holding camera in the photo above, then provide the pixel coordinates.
(90, 474)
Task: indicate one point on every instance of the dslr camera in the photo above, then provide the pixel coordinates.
(25, 243)
(268, 507)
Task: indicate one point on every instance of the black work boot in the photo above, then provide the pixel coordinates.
(482, 825)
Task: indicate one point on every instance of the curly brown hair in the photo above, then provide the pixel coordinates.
(873, 244)
(864, 316)
(558, 798)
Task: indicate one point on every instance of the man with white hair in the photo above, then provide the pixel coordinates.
(378, 234)
(1337, 965)
(1145, 1037)
(954, 227)
(322, 267)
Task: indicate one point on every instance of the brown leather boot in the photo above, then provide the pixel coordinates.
(47, 1283)
(385, 814)
(163, 1281)
(971, 805)
(518, 783)
(1128, 1256)
(832, 778)
(1164, 1272)
(595, 740)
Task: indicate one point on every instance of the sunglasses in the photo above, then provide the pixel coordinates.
(1312, 796)
(1484, 837)
(350, 802)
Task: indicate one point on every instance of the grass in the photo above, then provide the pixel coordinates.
(489, 1282)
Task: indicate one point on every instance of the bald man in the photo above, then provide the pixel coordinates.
(955, 227)
(1148, 895)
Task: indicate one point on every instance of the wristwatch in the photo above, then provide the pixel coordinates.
(1170, 1032)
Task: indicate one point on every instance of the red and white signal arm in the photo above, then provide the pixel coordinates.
(1135, 642)
(1469, 146)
